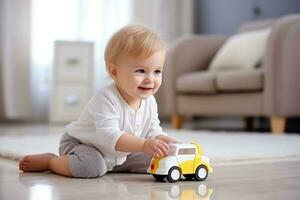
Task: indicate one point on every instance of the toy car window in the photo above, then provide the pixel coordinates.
(187, 151)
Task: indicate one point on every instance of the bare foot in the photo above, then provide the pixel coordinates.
(36, 163)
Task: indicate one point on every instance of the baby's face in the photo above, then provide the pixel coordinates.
(138, 78)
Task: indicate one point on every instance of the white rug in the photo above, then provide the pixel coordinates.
(220, 147)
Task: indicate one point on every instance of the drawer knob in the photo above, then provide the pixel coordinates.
(71, 100)
(72, 62)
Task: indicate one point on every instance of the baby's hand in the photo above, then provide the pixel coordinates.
(167, 139)
(155, 148)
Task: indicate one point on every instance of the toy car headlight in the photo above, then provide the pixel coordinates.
(152, 166)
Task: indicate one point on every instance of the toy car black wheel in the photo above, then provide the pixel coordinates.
(201, 173)
(159, 177)
(174, 174)
(189, 176)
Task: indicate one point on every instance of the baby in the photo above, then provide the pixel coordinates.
(118, 130)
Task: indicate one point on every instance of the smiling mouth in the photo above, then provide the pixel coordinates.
(145, 88)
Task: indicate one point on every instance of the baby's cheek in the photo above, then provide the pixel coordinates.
(158, 82)
(157, 87)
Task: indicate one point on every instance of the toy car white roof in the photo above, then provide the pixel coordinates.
(182, 145)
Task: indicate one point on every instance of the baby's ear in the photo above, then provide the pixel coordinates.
(112, 70)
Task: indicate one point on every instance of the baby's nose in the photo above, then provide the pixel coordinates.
(149, 78)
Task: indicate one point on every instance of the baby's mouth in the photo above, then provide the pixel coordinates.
(145, 88)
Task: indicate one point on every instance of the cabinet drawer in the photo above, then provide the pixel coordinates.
(68, 102)
(73, 61)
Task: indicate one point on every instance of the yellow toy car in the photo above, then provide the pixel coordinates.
(183, 159)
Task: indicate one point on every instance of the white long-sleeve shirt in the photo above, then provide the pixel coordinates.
(107, 116)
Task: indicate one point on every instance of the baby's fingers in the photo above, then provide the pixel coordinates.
(163, 147)
(158, 153)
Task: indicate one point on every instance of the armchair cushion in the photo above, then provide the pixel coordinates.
(214, 82)
(240, 80)
(197, 82)
(243, 50)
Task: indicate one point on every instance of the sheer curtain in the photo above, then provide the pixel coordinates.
(170, 18)
(83, 20)
(14, 59)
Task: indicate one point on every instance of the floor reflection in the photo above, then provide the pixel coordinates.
(41, 191)
(117, 186)
(47, 186)
(182, 192)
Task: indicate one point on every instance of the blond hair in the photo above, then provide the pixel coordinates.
(132, 40)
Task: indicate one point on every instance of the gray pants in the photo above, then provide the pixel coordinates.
(86, 161)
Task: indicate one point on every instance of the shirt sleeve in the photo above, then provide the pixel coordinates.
(106, 119)
(155, 128)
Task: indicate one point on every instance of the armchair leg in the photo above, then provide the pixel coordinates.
(177, 121)
(248, 123)
(277, 124)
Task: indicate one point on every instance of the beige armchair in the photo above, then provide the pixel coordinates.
(273, 90)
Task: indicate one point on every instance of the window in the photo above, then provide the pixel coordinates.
(187, 151)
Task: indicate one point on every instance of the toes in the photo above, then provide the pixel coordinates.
(25, 167)
(21, 164)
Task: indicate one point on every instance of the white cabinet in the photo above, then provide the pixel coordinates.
(72, 80)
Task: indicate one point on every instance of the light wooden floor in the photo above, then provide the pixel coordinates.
(278, 180)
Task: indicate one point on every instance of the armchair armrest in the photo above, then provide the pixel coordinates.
(282, 68)
(186, 55)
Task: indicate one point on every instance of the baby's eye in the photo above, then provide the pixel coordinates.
(157, 72)
(140, 71)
